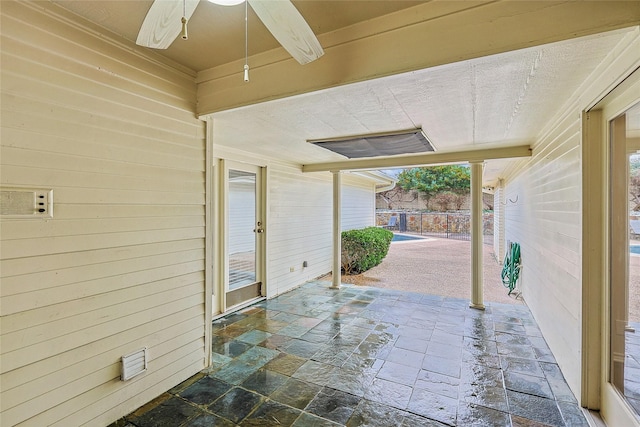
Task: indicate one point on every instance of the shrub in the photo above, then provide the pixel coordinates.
(364, 248)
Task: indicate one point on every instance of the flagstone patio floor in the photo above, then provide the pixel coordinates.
(363, 356)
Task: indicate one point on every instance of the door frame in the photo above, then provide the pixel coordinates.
(221, 245)
(597, 391)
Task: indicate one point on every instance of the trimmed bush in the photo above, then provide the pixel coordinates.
(364, 248)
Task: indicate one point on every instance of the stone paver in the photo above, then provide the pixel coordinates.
(372, 357)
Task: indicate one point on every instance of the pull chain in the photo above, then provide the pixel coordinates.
(183, 33)
(246, 40)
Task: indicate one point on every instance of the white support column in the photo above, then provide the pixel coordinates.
(337, 231)
(477, 297)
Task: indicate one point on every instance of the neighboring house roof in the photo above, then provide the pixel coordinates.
(384, 181)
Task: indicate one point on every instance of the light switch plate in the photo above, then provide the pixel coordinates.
(26, 203)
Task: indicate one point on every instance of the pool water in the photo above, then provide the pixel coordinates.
(404, 237)
(634, 249)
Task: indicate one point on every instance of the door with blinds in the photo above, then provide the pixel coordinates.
(245, 231)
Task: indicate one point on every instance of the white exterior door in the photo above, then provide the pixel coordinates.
(243, 234)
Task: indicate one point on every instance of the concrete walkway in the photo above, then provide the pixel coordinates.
(434, 266)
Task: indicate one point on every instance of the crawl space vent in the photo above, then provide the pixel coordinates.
(377, 145)
(134, 364)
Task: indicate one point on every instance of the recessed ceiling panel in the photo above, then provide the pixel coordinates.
(377, 145)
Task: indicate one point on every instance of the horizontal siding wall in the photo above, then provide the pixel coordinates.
(358, 203)
(299, 228)
(121, 264)
(545, 220)
(301, 221)
(543, 212)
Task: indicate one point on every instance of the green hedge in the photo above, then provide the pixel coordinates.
(364, 248)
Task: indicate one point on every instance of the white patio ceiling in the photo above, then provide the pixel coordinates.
(502, 100)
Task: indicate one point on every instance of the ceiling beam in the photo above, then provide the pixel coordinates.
(429, 159)
(419, 37)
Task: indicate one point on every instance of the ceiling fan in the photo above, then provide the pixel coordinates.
(167, 19)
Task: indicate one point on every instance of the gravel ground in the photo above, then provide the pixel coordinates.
(434, 266)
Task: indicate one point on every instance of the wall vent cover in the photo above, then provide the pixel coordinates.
(377, 145)
(134, 364)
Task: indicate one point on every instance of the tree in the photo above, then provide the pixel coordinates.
(436, 179)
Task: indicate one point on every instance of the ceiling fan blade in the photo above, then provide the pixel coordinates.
(163, 22)
(289, 27)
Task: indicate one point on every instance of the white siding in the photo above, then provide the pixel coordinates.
(300, 223)
(358, 204)
(299, 228)
(545, 221)
(543, 213)
(299, 218)
(121, 264)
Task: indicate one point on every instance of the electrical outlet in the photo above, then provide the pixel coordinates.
(292, 269)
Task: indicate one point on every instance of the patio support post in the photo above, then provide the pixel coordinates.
(337, 231)
(477, 298)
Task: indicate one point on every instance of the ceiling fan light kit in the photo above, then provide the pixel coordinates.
(227, 2)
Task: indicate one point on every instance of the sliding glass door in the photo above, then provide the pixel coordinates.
(624, 289)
